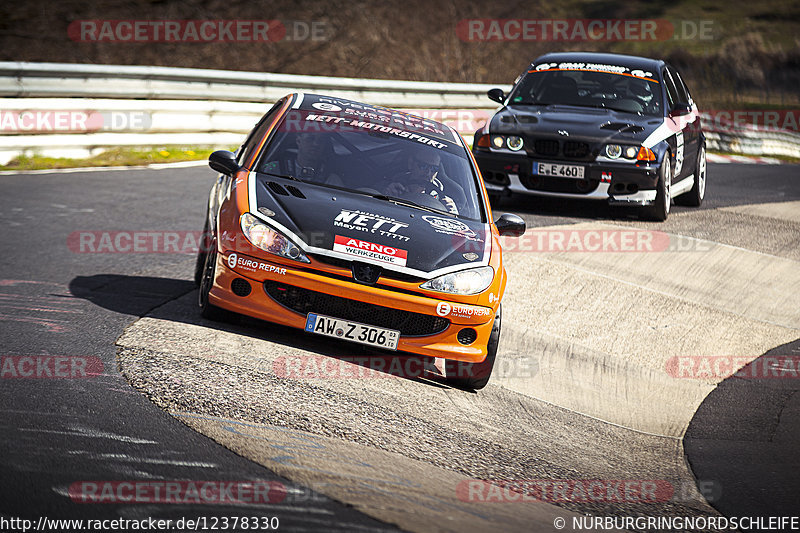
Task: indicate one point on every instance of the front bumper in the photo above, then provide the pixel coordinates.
(616, 183)
(263, 278)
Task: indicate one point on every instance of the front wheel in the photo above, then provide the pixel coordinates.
(202, 253)
(659, 211)
(475, 376)
(207, 309)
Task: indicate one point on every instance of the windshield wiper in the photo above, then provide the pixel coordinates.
(408, 203)
(285, 176)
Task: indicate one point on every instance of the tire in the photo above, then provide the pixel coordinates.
(659, 211)
(475, 376)
(208, 310)
(202, 251)
(694, 197)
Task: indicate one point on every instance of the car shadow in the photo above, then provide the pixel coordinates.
(565, 208)
(741, 442)
(146, 296)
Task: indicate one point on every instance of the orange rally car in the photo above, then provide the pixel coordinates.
(360, 223)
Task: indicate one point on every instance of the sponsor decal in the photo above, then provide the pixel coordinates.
(470, 256)
(253, 265)
(450, 226)
(371, 223)
(370, 250)
(599, 67)
(347, 123)
(391, 116)
(461, 311)
(325, 106)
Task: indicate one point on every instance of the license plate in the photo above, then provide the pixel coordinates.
(561, 171)
(352, 331)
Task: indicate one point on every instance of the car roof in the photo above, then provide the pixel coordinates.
(632, 62)
(374, 113)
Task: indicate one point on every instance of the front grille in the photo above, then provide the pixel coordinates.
(576, 149)
(556, 184)
(306, 301)
(546, 147)
(344, 263)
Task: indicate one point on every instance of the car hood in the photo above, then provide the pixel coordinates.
(355, 227)
(588, 124)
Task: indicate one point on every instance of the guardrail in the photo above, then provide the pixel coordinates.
(94, 107)
(116, 105)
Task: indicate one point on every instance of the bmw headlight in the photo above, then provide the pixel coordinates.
(464, 282)
(514, 142)
(269, 240)
(613, 151)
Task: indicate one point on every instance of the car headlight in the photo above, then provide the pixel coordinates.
(514, 143)
(464, 282)
(269, 240)
(613, 151)
(497, 141)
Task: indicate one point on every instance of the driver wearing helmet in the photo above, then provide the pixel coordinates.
(421, 177)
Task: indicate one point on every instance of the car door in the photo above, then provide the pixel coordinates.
(692, 135)
(683, 143)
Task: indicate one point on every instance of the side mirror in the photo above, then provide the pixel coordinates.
(223, 161)
(496, 95)
(679, 110)
(510, 224)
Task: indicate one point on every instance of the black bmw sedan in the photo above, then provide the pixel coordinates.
(616, 128)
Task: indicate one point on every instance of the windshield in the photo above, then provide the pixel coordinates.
(420, 170)
(619, 91)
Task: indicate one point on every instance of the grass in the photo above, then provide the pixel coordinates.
(113, 157)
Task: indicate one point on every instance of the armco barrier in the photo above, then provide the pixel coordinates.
(161, 105)
(153, 106)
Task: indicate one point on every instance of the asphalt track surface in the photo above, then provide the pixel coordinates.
(56, 432)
